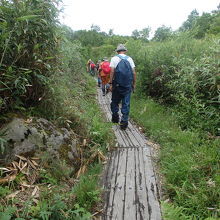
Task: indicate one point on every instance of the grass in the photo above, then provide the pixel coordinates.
(88, 195)
(189, 161)
(73, 105)
(90, 114)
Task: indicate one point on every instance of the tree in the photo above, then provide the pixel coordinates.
(135, 34)
(202, 25)
(89, 38)
(162, 33)
(190, 22)
(215, 26)
(144, 33)
(216, 11)
(110, 32)
(116, 39)
(95, 28)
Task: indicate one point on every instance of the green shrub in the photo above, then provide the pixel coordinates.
(183, 73)
(28, 48)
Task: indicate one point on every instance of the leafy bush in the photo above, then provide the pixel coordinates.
(28, 48)
(183, 73)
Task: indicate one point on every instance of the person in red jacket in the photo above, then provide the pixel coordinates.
(104, 71)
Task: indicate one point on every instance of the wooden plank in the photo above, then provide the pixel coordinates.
(108, 175)
(127, 143)
(134, 140)
(119, 133)
(106, 110)
(122, 141)
(130, 136)
(132, 131)
(136, 129)
(119, 195)
(151, 186)
(141, 189)
(130, 188)
(110, 184)
(119, 136)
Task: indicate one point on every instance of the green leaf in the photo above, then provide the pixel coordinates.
(28, 17)
(49, 58)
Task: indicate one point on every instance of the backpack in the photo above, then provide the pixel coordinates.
(92, 66)
(106, 67)
(123, 75)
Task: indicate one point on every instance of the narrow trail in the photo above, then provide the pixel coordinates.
(130, 186)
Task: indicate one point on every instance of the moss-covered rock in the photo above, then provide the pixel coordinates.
(26, 136)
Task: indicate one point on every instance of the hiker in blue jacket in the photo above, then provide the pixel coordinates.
(122, 82)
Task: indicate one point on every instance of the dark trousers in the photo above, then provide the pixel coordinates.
(125, 99)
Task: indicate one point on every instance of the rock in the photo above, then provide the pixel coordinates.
(25, 137)
(70, 155)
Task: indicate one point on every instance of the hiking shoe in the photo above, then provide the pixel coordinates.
(123, 125)
(115, 118)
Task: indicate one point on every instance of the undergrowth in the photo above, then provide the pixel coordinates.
(65, 194)
(189, 161)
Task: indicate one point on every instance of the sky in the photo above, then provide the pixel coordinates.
(124, 16)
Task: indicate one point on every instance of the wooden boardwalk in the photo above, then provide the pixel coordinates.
(130, 185)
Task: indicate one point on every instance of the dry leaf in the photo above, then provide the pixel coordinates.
(25, 164)
(98, 212)
(20, 163)
(101, 155)
(5, 169)
(22, 158)
(12, 195)
(8, 179)
(25, 184)
(36, 201)
(31, 164)
(28, 121)
(35, 192)
(15, 164)
(84, 142)
(81, 171)
(12, 169)
(25, 171)
(35, 163)
(35, 158)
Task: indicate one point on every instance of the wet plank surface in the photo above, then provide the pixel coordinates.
(130, 185)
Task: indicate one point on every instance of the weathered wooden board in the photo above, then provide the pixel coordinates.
(119, 187)
(131, 136)
(131, 190)
(142, 190)
(130, 183)
(131, 196)
(110, 183)
(151, 184)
